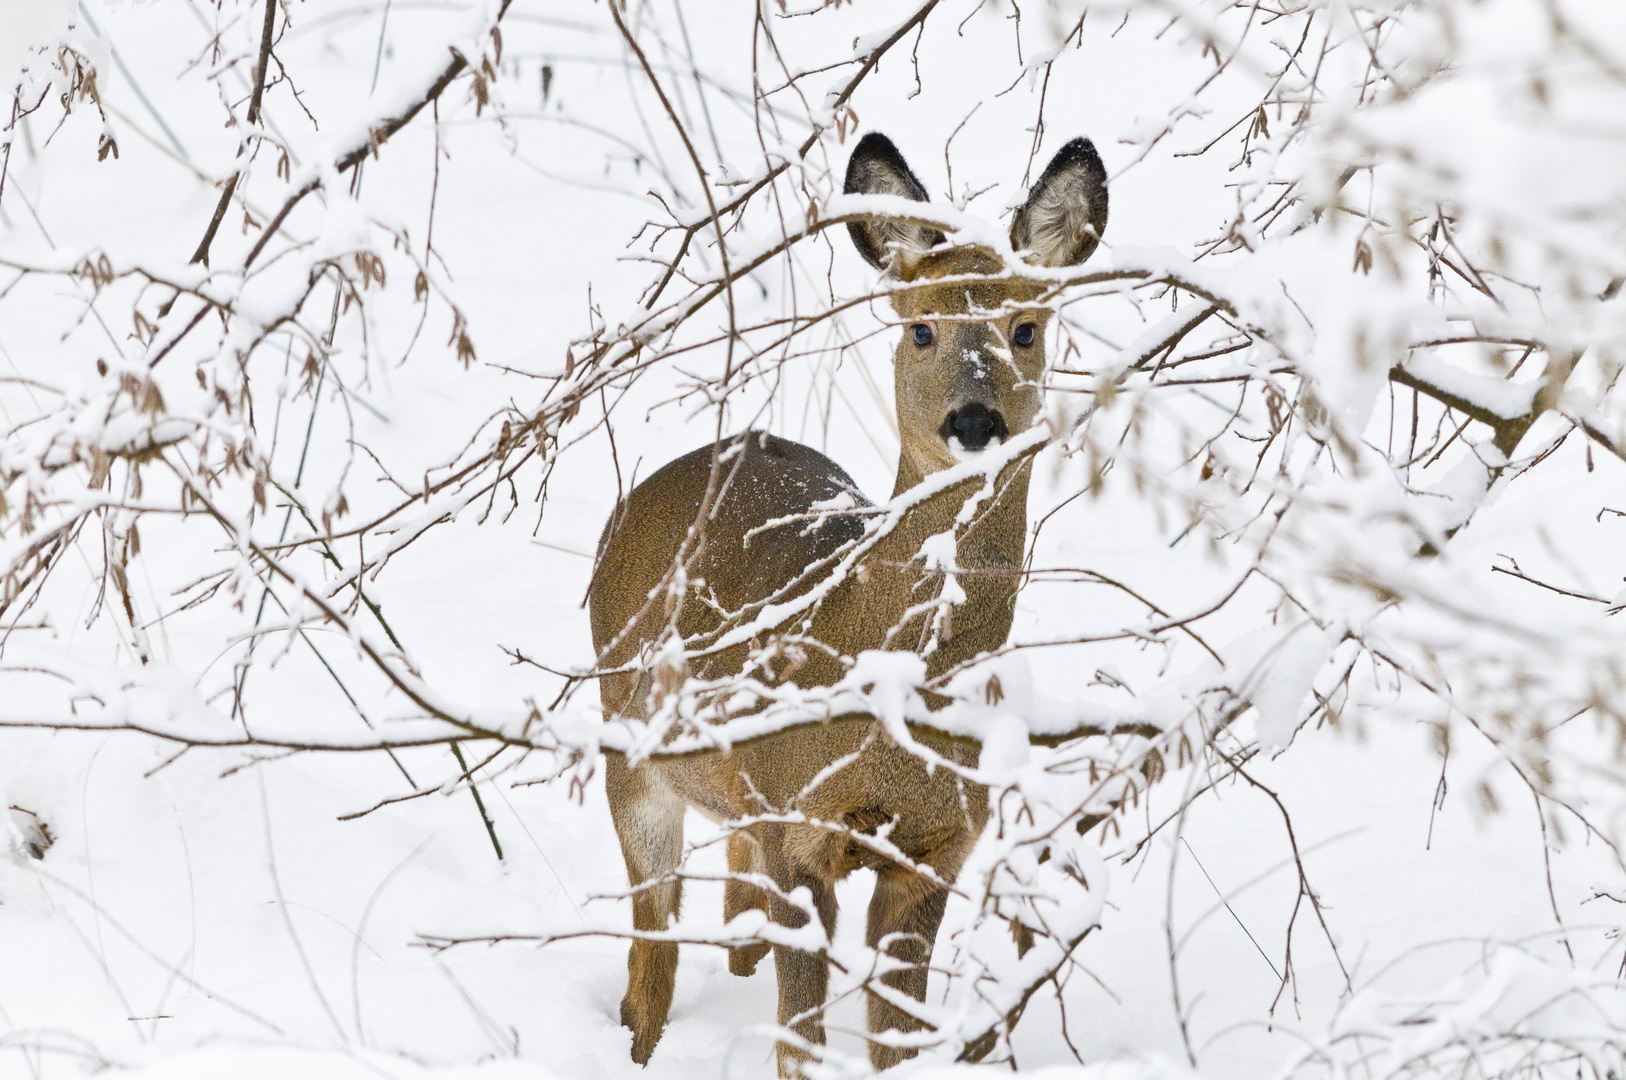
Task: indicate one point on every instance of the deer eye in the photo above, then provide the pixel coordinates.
(923, 335)
(1023, 335)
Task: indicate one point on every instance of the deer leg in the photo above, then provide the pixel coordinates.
(649, 822)
(803, 977)
(744, 857)
(904, 915)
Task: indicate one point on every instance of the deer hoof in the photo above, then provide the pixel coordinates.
(644, 1034)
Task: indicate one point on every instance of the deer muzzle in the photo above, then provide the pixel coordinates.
(972, 427)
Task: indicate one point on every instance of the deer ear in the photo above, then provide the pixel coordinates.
(1066, 212)
(876, 168)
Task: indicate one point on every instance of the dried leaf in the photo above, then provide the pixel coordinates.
(100, 465)
(150, 400)
(1363, 256)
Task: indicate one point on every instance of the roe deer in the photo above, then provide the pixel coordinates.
(968, 373)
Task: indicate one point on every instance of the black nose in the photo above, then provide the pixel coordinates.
(973, 425)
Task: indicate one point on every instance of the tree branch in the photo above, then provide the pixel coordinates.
(376, 137)
(837, 100)
(201, 255)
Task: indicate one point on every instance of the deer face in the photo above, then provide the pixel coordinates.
(971, 358)
(972, 355)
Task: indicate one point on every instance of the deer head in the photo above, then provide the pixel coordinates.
(971, 360)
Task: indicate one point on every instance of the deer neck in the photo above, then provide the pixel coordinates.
(871, 609)
(993, 534)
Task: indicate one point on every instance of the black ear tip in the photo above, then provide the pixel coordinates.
(875, 143)
(1079, 153)
(874, 149)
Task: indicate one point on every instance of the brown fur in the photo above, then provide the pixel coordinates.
(931, 815)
